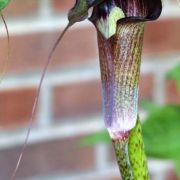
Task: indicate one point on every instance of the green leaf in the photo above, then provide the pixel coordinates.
(177, 162)
(148, 105)
(99, 137)
(3, 4)
(161, 132)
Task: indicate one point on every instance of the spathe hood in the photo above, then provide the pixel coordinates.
(143, 10)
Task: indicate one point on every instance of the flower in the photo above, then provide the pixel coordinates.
(120, 27)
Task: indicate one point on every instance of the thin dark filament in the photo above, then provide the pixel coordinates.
(5, 64)
(36, 100)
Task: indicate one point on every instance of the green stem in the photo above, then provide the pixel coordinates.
(122, 157)
(130, 155)
(137, 154)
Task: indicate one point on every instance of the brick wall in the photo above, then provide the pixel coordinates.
(70, 100)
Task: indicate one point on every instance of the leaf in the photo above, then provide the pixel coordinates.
(177, 163)
(148, 105)
(161, 132)
(99, 137)
(3, 4)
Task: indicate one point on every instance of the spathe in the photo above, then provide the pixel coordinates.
(133, 9)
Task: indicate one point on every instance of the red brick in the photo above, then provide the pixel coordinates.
(172, 94)
(161, 37)
(110, 178)
(116, 178)
(29, 52)
(63, 5)
(77, 100)
(21, 8)
(58, 156)
(172, 175)
(146, 86)
(16, 107)
(112, 156)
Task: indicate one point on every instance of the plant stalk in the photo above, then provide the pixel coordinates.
(130, 155)
(122, 158)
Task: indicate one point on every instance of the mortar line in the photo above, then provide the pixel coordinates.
(101, 156)
(45, 107)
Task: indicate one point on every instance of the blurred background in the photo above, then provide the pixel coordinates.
(70, 100)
